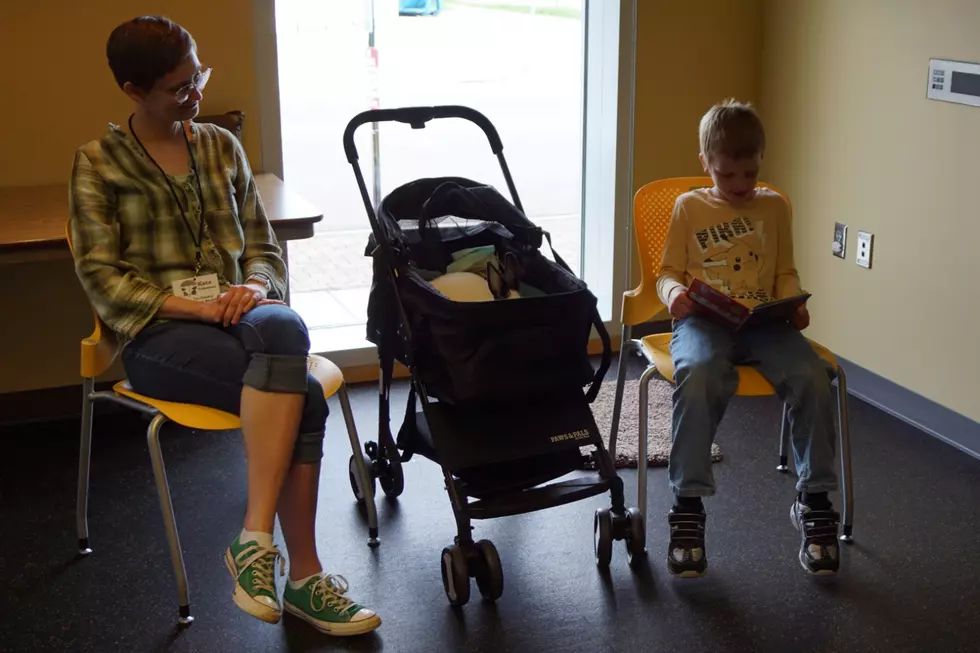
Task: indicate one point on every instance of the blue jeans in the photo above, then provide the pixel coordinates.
(205, 364)
(704, 356)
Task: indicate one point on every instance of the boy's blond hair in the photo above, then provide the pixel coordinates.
(732, 129)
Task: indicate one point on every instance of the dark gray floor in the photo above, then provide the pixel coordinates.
(910, 583)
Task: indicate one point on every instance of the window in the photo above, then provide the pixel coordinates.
(555, 77)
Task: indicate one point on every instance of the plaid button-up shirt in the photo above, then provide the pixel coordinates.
(130, 242)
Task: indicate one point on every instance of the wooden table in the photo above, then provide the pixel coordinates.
(33, 218)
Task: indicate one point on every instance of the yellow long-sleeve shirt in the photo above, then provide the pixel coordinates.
(744, 251)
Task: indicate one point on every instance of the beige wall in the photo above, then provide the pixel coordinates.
(854, 139)
(60, 93)
(47, 317)
(689, 55)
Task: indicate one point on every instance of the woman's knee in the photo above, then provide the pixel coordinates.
(309, 444)
(278, 344)
(276, 330)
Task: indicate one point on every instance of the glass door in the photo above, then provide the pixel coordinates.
(525, 64)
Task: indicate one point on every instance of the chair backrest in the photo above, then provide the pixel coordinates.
(100, 349)
(653, 206)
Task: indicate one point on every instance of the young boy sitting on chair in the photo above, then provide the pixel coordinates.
(738, 238)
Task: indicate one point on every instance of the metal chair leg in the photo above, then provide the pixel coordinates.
(84, 458)
(362, 472)
(641, 463)
(784, 429)
(843, 430)
(624, 348)
(169, 521)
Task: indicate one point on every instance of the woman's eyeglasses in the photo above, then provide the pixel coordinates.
(198, 83)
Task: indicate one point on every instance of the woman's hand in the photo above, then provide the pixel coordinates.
(238, 300)
(209, 312)
(178, 308)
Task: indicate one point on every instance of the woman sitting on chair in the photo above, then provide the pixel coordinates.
(174, 250)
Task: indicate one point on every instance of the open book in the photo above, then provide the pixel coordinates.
(716, 305)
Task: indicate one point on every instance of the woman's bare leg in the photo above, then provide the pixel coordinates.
(270, 425)
(297, 516)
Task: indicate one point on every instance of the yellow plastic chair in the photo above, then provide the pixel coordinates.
(652, 209)
(99, 351)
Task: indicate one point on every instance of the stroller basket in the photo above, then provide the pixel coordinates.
(478, 350)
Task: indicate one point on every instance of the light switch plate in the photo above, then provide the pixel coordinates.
(840, 240)
(865, 246)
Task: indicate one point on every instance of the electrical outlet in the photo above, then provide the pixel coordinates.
(840, 240)
(865, 245)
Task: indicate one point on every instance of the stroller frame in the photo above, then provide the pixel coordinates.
(466, 558)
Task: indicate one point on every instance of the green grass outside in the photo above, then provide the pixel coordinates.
(560, 12)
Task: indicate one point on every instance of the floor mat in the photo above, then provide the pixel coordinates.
(658, 433)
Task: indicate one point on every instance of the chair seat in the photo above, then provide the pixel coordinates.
(750, 382)
(190, 415)
(328, 374)
(211, 419)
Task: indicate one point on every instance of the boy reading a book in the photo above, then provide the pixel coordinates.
(738, 238)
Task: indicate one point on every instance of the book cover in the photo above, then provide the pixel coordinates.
(716, 305)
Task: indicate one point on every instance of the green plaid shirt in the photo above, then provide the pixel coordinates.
(130, 242)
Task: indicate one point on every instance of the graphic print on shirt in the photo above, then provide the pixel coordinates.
(731, 256)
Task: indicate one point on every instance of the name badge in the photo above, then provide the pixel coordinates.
(204, 288)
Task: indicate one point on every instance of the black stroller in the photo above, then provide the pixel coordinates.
(500, 381)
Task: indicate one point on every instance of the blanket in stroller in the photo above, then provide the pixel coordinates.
(528, 334)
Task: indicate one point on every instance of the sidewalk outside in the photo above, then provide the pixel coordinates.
(330, 276)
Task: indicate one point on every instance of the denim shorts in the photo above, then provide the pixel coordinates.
(193, 362)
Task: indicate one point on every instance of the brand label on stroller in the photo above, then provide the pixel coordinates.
(574, 435)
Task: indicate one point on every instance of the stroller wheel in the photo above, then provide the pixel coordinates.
(489, 573)
(355, 481)
(636, 536)
(455, 576)
(602, 537)
(392, 478)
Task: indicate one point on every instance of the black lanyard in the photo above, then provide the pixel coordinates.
(173, 192)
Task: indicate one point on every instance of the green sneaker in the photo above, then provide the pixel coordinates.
(253, 567)
(322, 603)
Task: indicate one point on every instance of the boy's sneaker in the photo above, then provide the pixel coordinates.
(253, 567)
(686, 556)
(323, 603)
(819, 548)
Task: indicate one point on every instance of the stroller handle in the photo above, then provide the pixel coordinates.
(417, 117)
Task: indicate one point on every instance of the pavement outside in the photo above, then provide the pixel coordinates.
(330, 276)
(522, 70)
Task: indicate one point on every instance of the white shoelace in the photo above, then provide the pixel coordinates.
(330, 591)
(263, 563)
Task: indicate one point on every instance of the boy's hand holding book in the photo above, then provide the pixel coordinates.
(718, 306)
(800, 318)
(680, 305)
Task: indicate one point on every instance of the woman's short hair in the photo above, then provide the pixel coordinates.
(145, 49)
